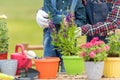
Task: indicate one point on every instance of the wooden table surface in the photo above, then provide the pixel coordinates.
(63, 76)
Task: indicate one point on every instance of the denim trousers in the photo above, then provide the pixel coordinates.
(49, 50)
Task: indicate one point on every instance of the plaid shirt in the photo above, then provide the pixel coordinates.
(112, 22)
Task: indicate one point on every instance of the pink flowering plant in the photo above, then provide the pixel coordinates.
(95, 50)
(64, 38)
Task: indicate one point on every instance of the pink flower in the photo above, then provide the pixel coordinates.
(99, 42)
(88, 45)
(107, 47)
(83, 54)
(92, 54)
(99, 50)
(83, 46)
(94, 39)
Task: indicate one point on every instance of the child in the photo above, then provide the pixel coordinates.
(96, 11)
(57, 9)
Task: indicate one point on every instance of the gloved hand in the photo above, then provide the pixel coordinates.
(78, 32)
(30, 54)
(41, 18)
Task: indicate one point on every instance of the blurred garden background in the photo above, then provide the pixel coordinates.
(21, 22)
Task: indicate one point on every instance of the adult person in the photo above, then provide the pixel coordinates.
(111, 23)
(96, 11)
(57, 9)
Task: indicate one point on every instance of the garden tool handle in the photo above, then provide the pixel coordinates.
(6, 77)
(22, 48)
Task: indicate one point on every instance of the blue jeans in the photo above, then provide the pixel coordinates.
(49, 48)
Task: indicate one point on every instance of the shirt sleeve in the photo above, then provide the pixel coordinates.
(112, 22)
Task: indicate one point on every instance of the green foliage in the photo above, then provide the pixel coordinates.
(64, 39)
(114, 43)
(3, 36)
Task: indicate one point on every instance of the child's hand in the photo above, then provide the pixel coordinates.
(78, 32)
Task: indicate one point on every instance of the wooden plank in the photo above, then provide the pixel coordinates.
(32, 47)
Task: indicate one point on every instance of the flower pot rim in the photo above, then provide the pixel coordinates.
(47, 59)
(113, 58)
(6, 52)
(93, 61)
(72, 56)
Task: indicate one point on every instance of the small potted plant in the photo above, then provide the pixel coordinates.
(94, 54)
(112, 63)
(3, 37)
(65, 42)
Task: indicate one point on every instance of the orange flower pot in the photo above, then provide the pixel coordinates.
(47, 67)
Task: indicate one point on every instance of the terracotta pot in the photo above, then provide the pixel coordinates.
(47, 67)
(112, 67)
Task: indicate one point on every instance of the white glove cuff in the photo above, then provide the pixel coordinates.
(78, 32)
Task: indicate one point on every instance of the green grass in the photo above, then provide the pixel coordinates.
(21, 22)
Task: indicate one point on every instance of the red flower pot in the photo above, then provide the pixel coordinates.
(3, 55)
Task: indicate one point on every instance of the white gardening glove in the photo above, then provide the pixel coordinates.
(78, 32)
(41, 18)
(30, 54)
